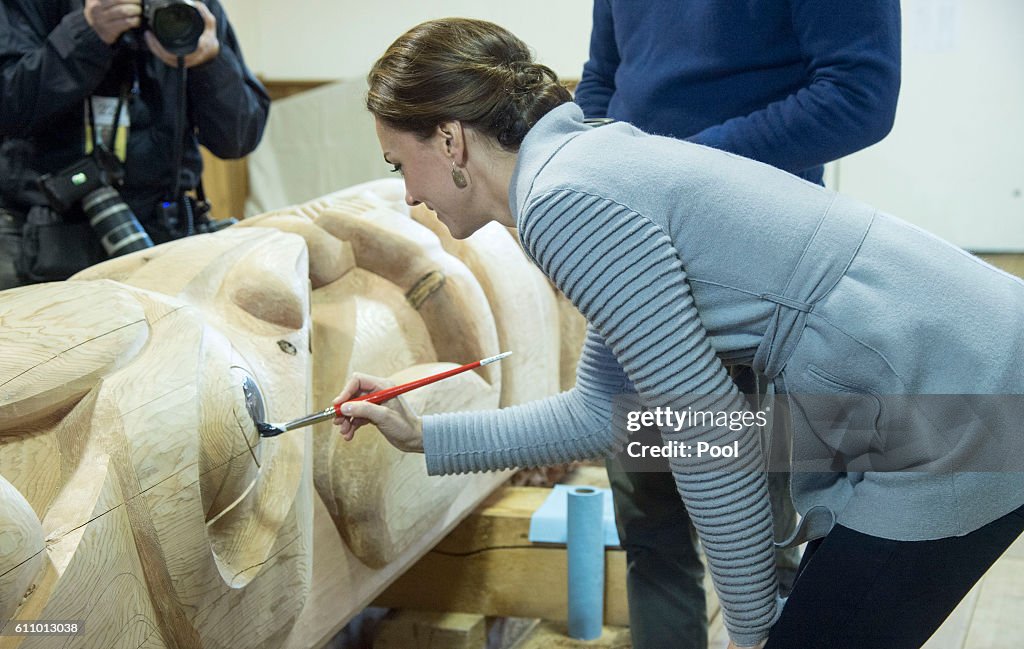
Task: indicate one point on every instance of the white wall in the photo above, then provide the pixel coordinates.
(331, 39)
(954, 163)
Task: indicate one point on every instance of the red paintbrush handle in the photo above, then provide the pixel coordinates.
(380, 396)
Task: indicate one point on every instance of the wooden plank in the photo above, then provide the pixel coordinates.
(552, 635)
(343, 585)
(226, 183)
(1012, 263)
(487, 565)
(281, 88)
(431, 630)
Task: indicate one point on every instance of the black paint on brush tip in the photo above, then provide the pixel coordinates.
(268, 430)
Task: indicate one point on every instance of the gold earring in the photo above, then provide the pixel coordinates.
(459, 177)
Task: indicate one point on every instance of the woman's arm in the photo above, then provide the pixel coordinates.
(625, 275)
(573, 425)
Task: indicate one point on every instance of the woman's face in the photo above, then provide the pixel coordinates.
(426, 166)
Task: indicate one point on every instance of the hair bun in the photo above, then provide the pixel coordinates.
(533, 89)
(462, 69)
(528, 76)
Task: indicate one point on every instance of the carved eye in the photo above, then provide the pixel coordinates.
(253, 396)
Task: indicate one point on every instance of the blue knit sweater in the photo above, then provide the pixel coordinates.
(681, 258)
(793, 83)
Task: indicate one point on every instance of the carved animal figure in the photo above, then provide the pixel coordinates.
(135, 494)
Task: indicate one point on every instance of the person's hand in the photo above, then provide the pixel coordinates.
(207, 48)
(111, 18)
(394, 419)
(759, 645)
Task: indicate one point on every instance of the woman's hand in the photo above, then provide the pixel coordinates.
(394, 419)
(759, 645)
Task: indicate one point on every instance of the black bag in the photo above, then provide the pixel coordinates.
(11, 225)
(53, 249)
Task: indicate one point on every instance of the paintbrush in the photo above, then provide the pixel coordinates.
(380, 396)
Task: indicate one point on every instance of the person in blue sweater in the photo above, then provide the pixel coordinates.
(901, 354)
(792, 83)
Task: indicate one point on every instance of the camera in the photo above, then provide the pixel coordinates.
(89, 182)
(177, 24)
(188, 216)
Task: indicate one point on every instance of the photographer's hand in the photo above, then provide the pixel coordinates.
(111, 18)
(207, 49)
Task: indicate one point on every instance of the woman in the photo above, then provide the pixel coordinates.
(683, 258)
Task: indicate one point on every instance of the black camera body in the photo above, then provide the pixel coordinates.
(90, 182)
(71, 184)
(188, 216)
(177, 24)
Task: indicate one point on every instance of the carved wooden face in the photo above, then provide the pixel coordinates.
(126, 442)
(132, 480)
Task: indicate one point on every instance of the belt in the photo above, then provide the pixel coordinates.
(822, 264)
(826, 258)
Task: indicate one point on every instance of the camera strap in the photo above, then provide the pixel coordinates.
(180, 124)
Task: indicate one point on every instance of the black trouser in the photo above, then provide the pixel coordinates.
(856, 591)
(664, 570)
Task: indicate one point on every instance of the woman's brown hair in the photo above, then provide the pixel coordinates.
(462, 69)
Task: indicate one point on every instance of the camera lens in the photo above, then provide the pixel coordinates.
(113, 221)
(177, 24)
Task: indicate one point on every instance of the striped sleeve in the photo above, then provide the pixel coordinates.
(570, 426)
(624, 274)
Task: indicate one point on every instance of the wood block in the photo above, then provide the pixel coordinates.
(343, 585)
(431, 630)
(1010, 262)
(553, 635)
(226, 183)
(487, 565)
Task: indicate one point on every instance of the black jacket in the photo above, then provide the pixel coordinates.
(51, 60)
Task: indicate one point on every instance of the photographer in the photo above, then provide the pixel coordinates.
(87, 91)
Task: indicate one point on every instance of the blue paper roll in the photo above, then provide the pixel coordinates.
(585, 547)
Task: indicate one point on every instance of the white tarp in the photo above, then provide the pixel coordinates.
(316, 142)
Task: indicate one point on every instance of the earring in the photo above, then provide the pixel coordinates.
(459, 177)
